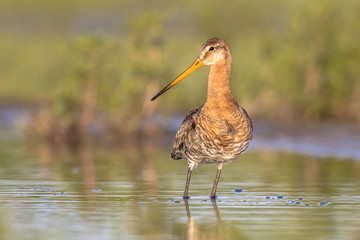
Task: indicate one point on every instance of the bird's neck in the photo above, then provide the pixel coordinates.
(219, 96)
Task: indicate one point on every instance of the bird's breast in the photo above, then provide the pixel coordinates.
(214, 138)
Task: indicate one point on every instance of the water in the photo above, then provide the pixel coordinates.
(134, 192)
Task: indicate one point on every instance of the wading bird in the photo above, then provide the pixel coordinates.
(220, 130)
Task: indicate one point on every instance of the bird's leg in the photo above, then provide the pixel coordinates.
(213, 196)
(187, 208)
(186, 195)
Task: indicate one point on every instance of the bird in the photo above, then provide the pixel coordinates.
(218, 131)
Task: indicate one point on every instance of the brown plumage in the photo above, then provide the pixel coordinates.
(220, 130)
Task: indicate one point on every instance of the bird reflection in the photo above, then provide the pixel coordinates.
(193, 229)
(207, 229)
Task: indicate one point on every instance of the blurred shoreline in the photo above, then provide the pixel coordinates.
(319, 139)
(74, 71)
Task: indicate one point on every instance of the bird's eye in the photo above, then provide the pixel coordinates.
(211, 48)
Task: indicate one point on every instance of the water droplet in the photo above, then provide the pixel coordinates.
(238, 190)
(323, 203)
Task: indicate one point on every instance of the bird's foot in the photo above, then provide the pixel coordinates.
(213, 196)
(186, 197)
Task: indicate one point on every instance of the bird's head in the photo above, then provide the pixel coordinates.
(213, 51)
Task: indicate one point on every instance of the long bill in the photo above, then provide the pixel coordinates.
(197, 64)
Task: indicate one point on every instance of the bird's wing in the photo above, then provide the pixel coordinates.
(186, 128)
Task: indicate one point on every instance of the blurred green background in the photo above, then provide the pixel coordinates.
(80, 62)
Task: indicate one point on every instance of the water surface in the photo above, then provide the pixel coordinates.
(134, 192)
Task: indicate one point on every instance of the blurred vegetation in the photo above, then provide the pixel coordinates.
(91, 65)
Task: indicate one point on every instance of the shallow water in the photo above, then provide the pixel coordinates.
(134, 192)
